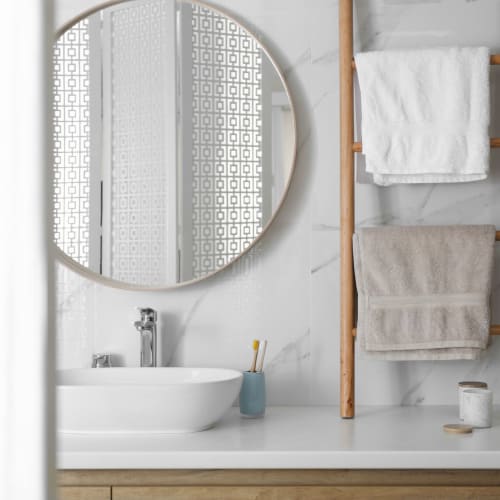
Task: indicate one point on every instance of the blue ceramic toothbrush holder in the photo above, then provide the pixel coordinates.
(253, 395)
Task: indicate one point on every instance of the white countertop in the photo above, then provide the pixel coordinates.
(297, 437)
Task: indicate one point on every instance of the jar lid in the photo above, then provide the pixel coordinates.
(457, 428)
(472, 384)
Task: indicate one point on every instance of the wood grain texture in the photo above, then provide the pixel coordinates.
(457, 428)
(495, 330)
(495, 59)
(347, 283)
(305, 492)
(84, 493)
(277, 477)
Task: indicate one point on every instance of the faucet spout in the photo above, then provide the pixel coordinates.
(147, 327)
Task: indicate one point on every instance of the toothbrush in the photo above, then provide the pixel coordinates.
(255, 346)
(261, 363)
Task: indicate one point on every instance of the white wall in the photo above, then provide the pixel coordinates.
(26, 420)
(287, 289)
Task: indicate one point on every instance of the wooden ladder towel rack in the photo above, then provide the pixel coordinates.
(348, 147)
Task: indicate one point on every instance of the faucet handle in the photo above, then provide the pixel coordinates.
(101, 360)
(148, 314)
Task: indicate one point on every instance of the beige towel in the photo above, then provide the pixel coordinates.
(424, 292)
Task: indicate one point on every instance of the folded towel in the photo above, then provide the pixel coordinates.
(425, 114)
(423, 292)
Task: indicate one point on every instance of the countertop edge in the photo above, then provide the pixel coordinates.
(282, 460)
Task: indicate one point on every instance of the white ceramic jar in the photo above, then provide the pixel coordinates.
(462, 386)
(477, 407)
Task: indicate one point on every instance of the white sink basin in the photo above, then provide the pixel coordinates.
(144, 399)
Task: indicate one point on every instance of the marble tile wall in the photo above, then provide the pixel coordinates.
(287, 288)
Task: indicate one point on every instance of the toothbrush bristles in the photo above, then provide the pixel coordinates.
(255, 346)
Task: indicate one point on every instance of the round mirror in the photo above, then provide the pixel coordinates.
(174, 142)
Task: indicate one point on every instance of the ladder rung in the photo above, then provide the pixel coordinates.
(357, 147)
(494, 330)
(494, 61)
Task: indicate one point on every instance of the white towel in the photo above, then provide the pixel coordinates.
(425, 114)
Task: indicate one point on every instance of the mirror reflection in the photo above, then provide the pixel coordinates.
(174, 141)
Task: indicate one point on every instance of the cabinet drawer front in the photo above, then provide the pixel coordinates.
(84, 493)
(302, 492)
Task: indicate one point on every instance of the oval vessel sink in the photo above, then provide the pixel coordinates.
(144, 399)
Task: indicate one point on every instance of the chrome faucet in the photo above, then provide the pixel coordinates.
(147, 331)
(101, 360)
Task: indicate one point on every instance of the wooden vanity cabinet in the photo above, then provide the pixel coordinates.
(84, 493)
(277, 484)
